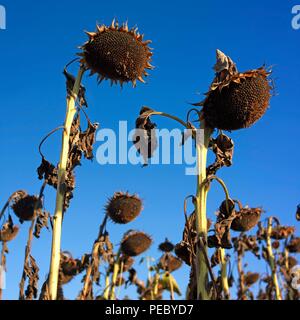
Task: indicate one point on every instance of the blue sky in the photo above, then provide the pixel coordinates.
(41, 37)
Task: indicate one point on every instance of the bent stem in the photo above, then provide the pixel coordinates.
(272, 260)
(224, 277)
(200, 208)
(60, 196)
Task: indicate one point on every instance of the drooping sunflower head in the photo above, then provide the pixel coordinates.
(170, 263)
(294, 245)
(251, 278)
(135, 243)
(117, 53)
(166, 246)
(247, 219)
(24, 206)
(236, 100)
(123, 208)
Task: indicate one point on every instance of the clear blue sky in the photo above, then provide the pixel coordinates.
(42, 36)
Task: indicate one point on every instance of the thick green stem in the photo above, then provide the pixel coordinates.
(272, 260)
(112, 295)
(60, 196)
(225, 285)
(107, 286)
(201, 218)
(156, 283)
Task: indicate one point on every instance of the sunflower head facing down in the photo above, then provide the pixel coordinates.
(236, 100)
(117, 53)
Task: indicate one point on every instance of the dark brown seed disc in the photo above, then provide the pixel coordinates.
(24, 207)
(170, 263)
(166, 246)
(69, 268)
(282, 232)
(123, 208)
(117, 53)
(135, 243)
(292, 262)
(246, 220)
(251, 278)
(238, 105)
(294, 245)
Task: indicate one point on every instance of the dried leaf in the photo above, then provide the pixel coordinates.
(223, 147)
(41, 222)
(145, 138)
(70, 82)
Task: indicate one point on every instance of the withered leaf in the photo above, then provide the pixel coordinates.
(30, 272)
(145, 139)
(223, 147)
(70, 81)
(81, 143)
(41, 222)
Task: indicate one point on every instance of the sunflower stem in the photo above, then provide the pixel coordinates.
(60, 196)
(200, 208)
(112, 295)
(120, 280)
(107, 286)
(272, 260)
(156, 283)
(225, 285)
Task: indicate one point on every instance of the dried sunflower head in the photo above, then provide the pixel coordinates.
(123, 208)
(294, 245)
(117, 53)
(170, 263)
(292, 262)
(69, 268)
(166, 246)
(246, 219)
(251, 278)
(236, 100)
(24, 206)
(282, 232)
(135, 243)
